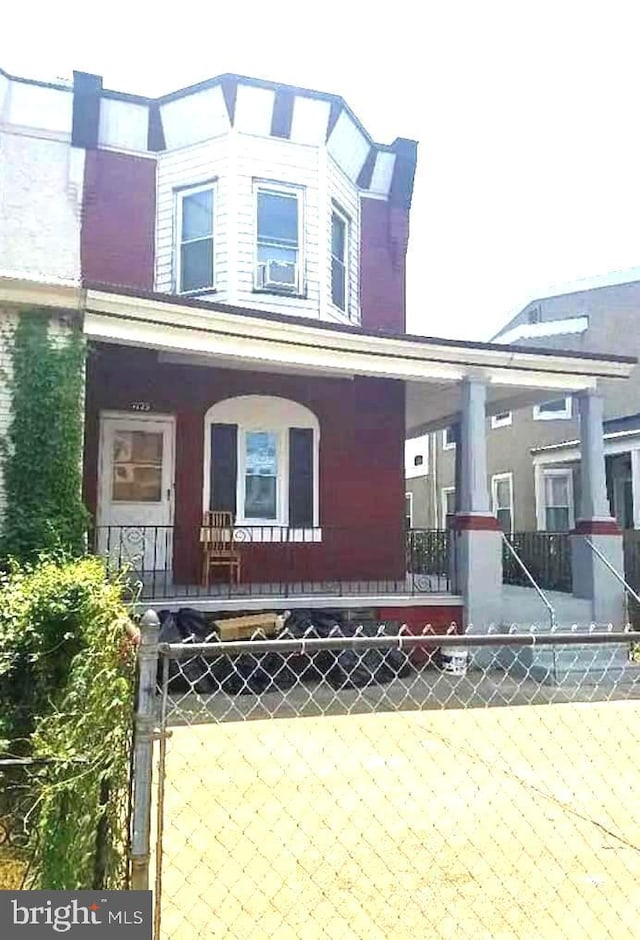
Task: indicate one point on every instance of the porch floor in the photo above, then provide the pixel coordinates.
(158, 590)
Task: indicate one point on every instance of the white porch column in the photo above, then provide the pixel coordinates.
(593, 485)
(478, 538)
(591, 578)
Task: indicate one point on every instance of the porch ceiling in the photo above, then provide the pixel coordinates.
(435, 406)
(218, 335)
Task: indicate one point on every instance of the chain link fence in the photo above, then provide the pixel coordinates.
(395, 786)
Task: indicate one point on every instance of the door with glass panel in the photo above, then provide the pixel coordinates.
(135, 492)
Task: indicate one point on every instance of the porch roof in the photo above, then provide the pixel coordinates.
(183, 329)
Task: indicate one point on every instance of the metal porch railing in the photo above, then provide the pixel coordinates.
(164, 562)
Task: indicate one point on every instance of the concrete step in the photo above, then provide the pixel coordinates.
(575, 664)
(581, 664)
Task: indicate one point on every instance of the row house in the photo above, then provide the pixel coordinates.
(234, 253)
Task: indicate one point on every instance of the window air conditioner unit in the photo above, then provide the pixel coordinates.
(278, 275)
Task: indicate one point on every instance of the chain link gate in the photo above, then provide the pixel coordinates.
(353, 788)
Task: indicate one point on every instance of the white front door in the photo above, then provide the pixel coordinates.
(135, 491)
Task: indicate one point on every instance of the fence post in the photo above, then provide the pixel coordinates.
(143, 751)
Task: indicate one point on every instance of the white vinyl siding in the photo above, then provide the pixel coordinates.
(278, 163)
(190, 167)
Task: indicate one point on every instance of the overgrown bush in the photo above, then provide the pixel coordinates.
(42, 453)
(66, 690)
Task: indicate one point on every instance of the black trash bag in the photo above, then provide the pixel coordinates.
(185, 675)
(343, 668)
(394, 662)
(192, 623)
(301, 624)
(254, 673)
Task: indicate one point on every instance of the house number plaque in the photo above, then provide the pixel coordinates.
(140, 406)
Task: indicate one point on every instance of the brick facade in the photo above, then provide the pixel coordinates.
(361, 460)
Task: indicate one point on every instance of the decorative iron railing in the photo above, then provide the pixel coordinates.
(547, 555)
(166, 562)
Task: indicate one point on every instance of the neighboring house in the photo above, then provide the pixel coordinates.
(533, 453)
(235, 255)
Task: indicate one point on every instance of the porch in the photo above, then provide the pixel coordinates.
(297, 429)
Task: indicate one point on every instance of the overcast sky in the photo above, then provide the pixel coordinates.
(526, 114)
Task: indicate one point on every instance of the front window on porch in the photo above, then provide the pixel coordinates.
(260, 475)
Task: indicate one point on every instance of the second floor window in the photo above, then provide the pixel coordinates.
(194, 261)
(278, 239)
(339, 256)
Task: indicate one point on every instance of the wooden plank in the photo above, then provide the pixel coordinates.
(243, 628)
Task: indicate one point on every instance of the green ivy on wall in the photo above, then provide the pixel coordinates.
(41, 455)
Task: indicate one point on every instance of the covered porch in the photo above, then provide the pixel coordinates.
(334, 532)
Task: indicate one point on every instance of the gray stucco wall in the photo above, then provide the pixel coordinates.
(614, 327)
(421, 489)
(509, 451)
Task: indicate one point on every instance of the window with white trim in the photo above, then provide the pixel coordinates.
(408, 510)
(194, 247)
(339, 260)
(449, 438)
(502, 420)
(279, 257)
(261, 472)
(557, 409)
(502, 497)
(448, 496)
(557, 500)
(261, 461)
(416, 457)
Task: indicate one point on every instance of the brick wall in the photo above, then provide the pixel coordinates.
(383, 247)
(119, 219)
(361, 458)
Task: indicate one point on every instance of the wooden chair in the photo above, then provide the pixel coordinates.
(218, 547)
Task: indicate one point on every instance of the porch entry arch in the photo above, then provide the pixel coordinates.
(261, 461)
